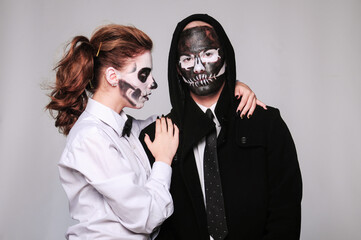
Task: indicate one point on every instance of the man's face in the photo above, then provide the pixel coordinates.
(136, 81)
(201, 60)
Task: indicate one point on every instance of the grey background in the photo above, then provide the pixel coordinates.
(303, 57)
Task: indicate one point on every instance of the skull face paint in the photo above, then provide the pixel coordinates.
(136, 81)
(201, 60)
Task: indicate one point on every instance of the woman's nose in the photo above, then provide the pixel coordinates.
(154, 85)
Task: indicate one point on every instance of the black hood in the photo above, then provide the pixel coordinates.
(177, 89)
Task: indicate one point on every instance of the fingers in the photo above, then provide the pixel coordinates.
(243, 102)
(241, 89)
(157, 126)
(239, 93)
(170, 127)
(258, 102)
(163, 124)
(250, 99)
(148, 142)
(176, 133)
(251, 110)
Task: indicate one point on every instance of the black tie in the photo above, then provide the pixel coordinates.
(216, 217)
(127, 126)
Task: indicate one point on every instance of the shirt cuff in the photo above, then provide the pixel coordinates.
(162, 172)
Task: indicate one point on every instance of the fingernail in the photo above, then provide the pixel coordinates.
(157, 117)
(237, 96)
(238, 112)
(242, 116)
(249, 116)
(162, 115)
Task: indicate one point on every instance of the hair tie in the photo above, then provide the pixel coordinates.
(100, 45)
(91, 85)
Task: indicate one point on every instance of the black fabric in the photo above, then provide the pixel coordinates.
(127, 126)
(260, 175)
(177, 88)
(216, 217)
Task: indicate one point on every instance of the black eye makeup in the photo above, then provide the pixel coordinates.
(143, 74)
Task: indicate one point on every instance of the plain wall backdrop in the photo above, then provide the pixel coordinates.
(301, 56)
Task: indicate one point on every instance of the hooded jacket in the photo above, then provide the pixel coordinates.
(260, 175)
(177, 89)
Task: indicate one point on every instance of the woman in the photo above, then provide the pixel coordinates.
(113, 191)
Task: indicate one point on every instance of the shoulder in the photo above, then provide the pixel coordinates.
(89, 135)
(141, 124)
(262, 125)
(150, 127)
(86, 129)
(262, 117)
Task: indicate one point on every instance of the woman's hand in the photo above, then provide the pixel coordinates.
(166, 140)
(249, 100)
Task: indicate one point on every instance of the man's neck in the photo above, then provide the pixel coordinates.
(207, 100)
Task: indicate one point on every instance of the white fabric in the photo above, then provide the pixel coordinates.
(113, 191)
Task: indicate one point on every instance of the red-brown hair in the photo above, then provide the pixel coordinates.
(79, 71)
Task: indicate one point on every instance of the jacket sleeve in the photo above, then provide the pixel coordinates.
(140, 208)
(285, 184)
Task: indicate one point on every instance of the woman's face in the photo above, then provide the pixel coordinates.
(136, 81)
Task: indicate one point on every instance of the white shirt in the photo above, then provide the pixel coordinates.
(199, 150)
(113, 192)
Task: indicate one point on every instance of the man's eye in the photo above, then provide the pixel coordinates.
(185, 59)
(208, 54)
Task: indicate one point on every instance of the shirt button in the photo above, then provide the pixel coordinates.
(243, 140)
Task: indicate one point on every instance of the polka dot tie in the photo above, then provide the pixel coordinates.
(216, 217)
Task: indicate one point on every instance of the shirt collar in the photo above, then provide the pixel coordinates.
(107, 115)
(212, 108)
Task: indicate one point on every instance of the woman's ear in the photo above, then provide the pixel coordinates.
(111, 76)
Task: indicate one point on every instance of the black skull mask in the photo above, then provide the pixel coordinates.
(201, 60)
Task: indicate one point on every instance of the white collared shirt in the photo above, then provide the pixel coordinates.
(113, 192)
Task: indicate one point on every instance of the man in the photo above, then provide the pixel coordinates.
(249, 186)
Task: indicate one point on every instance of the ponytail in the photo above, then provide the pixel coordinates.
(73, 75)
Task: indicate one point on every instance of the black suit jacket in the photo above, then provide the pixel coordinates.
(260, 176)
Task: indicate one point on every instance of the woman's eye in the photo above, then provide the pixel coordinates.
(143, 74)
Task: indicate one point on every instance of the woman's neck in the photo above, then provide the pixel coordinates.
(106, 98)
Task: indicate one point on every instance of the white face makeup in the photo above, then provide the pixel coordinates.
(136, 81)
